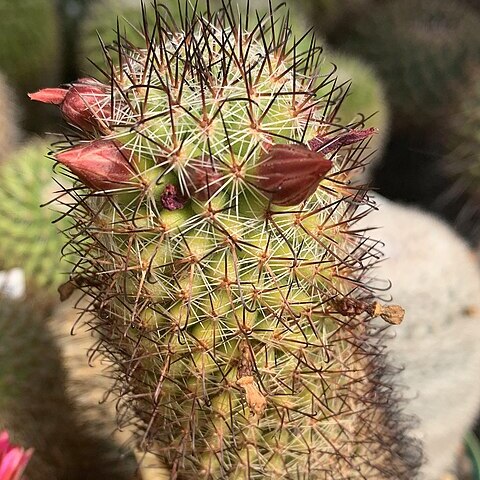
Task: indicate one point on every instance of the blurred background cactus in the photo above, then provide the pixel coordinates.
(38, 411)
(31, 238)
(461, 163)
(424, 51)
(421, 49)
(414, 62)
(9, 120)
(438, 342)
(30, 52)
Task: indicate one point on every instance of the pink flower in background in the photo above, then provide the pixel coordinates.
(13, 459)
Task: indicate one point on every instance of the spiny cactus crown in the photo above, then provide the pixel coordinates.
(214, 220)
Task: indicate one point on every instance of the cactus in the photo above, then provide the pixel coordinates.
(326, 15)
(29, 239)
(36, 409)
(438, 344)
(9, 131)
(421, 49)
(30, 51)
(215, 223)
(90, 381)
(30, 42)
(461, 164)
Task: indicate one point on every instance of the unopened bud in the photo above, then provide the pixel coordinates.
(85, 104)
(100, 165)
(289, 174)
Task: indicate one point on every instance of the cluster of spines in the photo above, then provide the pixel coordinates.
(231, 306)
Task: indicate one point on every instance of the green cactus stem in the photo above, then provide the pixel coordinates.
(214, 219)
(37, 410)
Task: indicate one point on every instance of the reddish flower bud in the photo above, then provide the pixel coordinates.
(86, 104)
(202, 178)
(289, 174)
(329, 144)
(100, 165)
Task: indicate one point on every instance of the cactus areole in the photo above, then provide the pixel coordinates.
(219, 250)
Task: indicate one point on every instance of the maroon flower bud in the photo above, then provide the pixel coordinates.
(329, 144)
(289, 174)
(202, 179)
(100, 165)
(171, 199)
(85, 104)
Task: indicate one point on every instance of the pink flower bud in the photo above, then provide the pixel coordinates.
(13, 460)
(289, 174)
(100, 165)
(85, 104)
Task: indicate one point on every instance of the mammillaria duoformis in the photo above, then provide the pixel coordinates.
(215, 223)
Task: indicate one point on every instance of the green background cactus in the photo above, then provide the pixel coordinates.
(461, 163)
(30, 42)
(29, 238)
(239, 327)
(37, 410)
(100, 20)
(327, 15)
(365, 102)
(9, 118)
(30, 51)
(421, 49)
